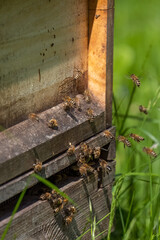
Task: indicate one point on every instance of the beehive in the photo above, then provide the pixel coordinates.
(51, 49)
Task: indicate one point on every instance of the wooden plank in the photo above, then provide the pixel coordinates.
(38, 219)
(28, 140)
(100, 53)
(41, 45)
(55, 165)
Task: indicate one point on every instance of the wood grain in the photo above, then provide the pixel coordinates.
(55, 165)
(46, 36)
(38, 220)
(28, 140)
(100, 53)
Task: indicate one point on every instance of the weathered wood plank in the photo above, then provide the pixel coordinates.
(15, 186)
(28, 140)
(38, 219)
(41, 44)
(100, 53)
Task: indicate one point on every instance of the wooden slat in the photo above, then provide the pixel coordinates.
(38, 220)
(52, 167)
(100, 53)
(41, 44)
(24, 142)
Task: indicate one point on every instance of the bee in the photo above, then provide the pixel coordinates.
(150, 152)
(136, 137)
(104, 166)
(69, 103)
(33, 116)
(68, 219)
(86, 150)
(46, 196)
(135, 80)
(87, 96)
(90, 114)
(97, 152)
(81, 158)
(37, 166)
(124, 140)
(143, 109)
(53, 123)
(108, 134)
(84, 168)
(58, 209)
(70, 210)
(77, 103)
(71, 150)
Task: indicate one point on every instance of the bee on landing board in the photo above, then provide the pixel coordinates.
(69, 212)
(135, 79)
(86, 150)
(71, 149)
(46, 196)
(150, 152)
(143, 109)
(124, 140)
(68, 220)
(37, 166)
(33, 116)
(69, 103)
(53, 123)
(96, 152)
(84, 168)
(90, 114)
(136, 137)
(108, 134)
(87, 96)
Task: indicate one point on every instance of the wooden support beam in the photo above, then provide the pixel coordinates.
(28, 140)
(38, 219)
(50, 168)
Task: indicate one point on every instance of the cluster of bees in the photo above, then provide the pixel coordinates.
(134, 136)
(68, 105)
(60, 204)
(87, 159)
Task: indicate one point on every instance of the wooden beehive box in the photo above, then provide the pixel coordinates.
(50, 49)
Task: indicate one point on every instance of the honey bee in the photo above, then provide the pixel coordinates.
(104, 166)
(86, 150)
(136, 137)
(150, 152)
(37, 166)
(68, 219)
(108, 134)
(97, 152)
(143, 109)
(77, 103)
(46, 196)
(90, 114)
(69, 103)
(53, 123)
(33, 116)
(70, 210)
(87, 96)
(124, 140)
(71, 150)
(81, 158)
(58, 209)
(135, 80)
(84, 168)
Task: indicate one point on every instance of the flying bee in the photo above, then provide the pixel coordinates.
(108, 134)
(104, 166)
(90, 114)
(136, 137)
(69, 103)
(33, 116)
(135, 79)
(143, 109)
(71, 149)
(46, 196)
(150, 152)
(124, 140)
(37, 166)
(87, 96)
(96, 152)
(53, 123)
(68, 220)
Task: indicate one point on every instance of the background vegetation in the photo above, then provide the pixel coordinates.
(136, 50)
